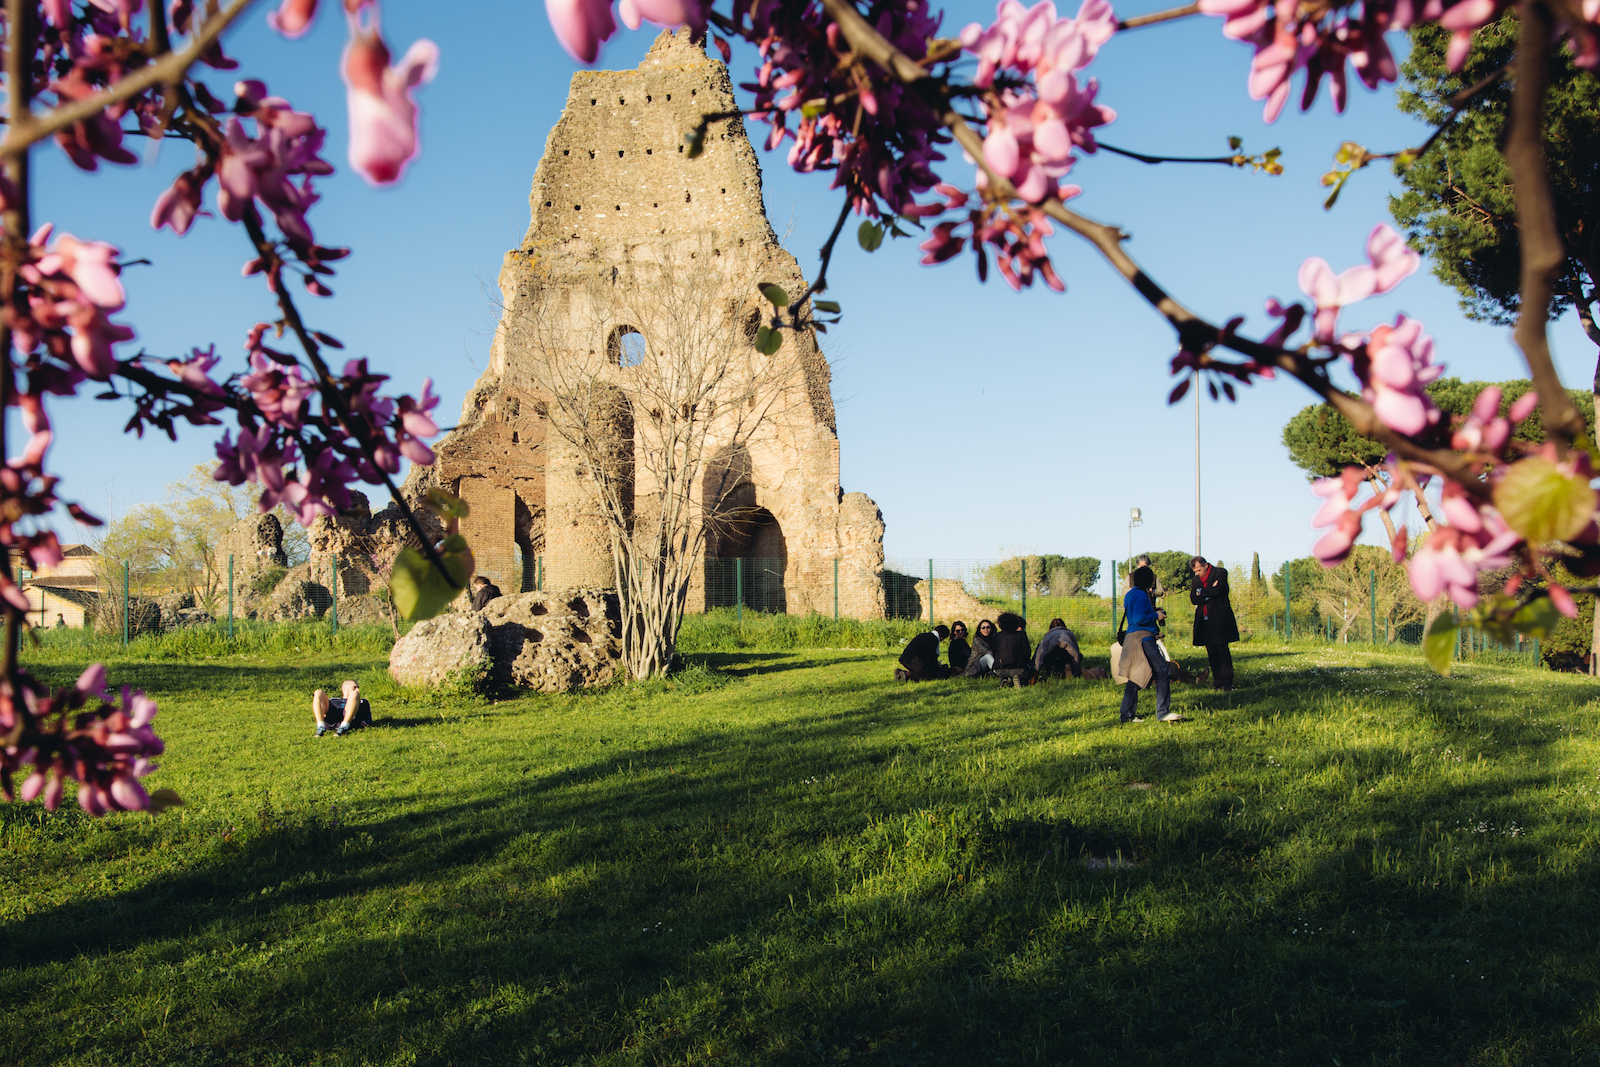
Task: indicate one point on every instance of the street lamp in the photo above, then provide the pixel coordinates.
(1135, 518)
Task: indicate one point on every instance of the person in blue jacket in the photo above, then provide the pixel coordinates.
(1143, 623)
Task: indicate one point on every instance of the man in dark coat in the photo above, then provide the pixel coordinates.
(1214, 625)
(483, 591)
(920, 661)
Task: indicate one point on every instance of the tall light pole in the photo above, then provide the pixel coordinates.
(1135, 518)
(1197, 472)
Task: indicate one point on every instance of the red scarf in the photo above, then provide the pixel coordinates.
(1205, 609)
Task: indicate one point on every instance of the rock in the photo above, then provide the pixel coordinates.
(440, 651)
(362, 610)
(555, 641)
(256, 545)
(297, 596)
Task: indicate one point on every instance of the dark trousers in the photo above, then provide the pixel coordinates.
(1058, 663)
(1221, 659)
(1162, 682)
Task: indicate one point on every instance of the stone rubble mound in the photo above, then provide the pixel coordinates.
(550, 642)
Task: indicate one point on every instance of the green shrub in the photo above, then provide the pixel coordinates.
(264, 583)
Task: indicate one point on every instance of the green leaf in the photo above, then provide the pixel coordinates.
(762, 334)
(1439, 647)
(1236, 143)
(870, 235)
(769, 344)
(775, 295)
(447, 505)
(162, 799)
(1537, 618)
(829, 306)
(420, 589)
(1542, 502)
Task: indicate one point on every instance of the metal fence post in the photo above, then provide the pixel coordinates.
(1024, 592)
(1112, 599)
(738, 586)
(930, 593)
(230, 596)
(1372, 602)
(125, 607)
(1288, 603)
(334, 587)
(835, 588)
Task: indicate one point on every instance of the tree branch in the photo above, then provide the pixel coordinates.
(332, 402)
(821, 284)
(1159, 16)
(1194, 333)
(21, 28)
(1539, 239)
(1232, 161)
(27, 128)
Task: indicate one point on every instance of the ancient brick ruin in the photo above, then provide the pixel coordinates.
(616, 186)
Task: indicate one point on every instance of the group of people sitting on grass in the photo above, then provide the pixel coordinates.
(998, 650)
(1139, 657)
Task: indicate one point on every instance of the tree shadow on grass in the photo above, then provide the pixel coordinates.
(804, 888)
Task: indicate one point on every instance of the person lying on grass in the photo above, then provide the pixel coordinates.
(342, 713)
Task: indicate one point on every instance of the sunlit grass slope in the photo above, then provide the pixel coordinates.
(790, 859)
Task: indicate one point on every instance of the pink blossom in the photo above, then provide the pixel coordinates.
(92, 266)
(278, 389)
(581, 25)
(1033, 134)
(1463, 19)
(668, 13)
(1401, 368)
(1523, 406)
(1338, 494)
(293, 17)
(1484, 428)
(1389, 263)
(383, 116)
(1244, 17)
(180, 205)
(1450, 559)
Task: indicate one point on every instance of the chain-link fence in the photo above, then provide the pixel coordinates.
(1274, 600)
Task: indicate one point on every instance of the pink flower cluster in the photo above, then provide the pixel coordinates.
(1015, 232)
(1389, 262)
(879, 138)
(105, 750)
(1034, 129)
(583, 25)
(365, 438)
(73, 286)
(1322, 40)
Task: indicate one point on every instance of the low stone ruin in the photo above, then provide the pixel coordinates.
(550, 642)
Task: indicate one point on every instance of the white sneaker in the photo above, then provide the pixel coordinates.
(1170, 716)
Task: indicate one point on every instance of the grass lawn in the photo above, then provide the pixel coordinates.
(790, 859)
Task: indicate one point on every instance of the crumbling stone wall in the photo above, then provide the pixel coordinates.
(616, 187)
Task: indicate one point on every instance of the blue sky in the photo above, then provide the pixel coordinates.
(981, 420)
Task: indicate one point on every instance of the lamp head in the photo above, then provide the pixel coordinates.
(1135, 515)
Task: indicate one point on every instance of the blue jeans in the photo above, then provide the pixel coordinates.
(1163, 683)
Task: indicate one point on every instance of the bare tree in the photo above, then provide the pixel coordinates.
(651, 430)
(1345, 592)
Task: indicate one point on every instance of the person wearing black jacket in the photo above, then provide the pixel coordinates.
(920, 661)
(1214, 625)
(1013, 656)
(483, 591)
(959, 652)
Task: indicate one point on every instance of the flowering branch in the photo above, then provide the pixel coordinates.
(26, 129)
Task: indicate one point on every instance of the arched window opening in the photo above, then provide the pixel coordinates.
(625, 347)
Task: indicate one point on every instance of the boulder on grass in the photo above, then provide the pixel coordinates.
(554, 641)
(442, 651)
